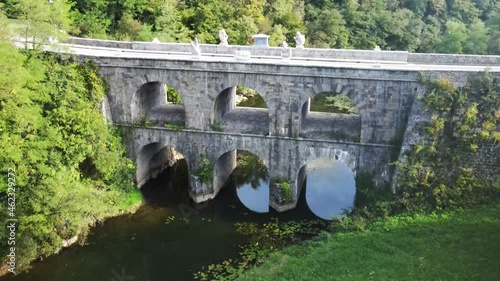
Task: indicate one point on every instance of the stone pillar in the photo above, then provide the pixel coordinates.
(306, 108)
(284, 167)
(284, 120)
(223, 168)
(285, 190)
(203, 187)
(283, 194)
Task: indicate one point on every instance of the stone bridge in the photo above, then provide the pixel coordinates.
(286, 135)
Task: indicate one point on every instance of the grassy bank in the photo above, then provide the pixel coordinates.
(463, 245)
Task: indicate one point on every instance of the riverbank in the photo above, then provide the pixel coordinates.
(460, 245)
(129, 205)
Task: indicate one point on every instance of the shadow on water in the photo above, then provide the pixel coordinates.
(168, 238)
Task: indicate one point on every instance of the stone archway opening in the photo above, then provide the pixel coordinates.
(248, 175)
(153, 159)
(162, 174)
(331, 115)
(240, 110)
(330, 187)
(157, 104)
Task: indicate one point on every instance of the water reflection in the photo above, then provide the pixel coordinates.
(330, 188)
(252, 181)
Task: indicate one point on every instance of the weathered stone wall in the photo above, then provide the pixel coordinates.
(485, 161)
(284, 157)
(383, 97)
(331, 125)
(452, 59)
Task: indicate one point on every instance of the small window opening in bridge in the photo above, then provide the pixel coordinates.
(156, 104)
(162, 175)
(331, 115)
(245, 173)
(240, 110)
(247, 97)
(173, 96)
(330, 186)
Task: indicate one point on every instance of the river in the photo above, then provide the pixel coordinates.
(168, 239)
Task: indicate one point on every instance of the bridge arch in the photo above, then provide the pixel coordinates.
(251, 176)
(228, 116)
(156, 103)
(153, 158)
(330, 186)
(318, 120)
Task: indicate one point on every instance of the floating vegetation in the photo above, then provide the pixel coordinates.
(169, 219)
(263, 239)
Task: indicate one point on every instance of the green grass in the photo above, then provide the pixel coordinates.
(134, 198)
(454, 246)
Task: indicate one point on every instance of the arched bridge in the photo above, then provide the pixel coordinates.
(286, 134)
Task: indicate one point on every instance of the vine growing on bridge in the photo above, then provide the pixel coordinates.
(205, 173)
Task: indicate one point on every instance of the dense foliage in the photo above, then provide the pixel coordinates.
(439, 170)
(448, 26)
(69, 165)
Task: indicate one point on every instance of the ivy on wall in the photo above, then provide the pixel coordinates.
(439, 171)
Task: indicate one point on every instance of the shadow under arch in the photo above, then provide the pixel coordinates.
(330, 186)
(157, 104)
(229, 117)
(331, 115)
(153, 159)
(250, 175)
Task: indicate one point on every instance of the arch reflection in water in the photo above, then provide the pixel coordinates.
(330, 188)
(252, 182)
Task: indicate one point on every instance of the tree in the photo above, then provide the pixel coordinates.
(454, 37)
(492, 25)
(277, 36)
(431, 36)
(44, 19)
(91, 18)
(478, 39)
(328, 30)
(168, 25)
(407, 31)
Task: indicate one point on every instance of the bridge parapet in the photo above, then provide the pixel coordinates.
(316, 53)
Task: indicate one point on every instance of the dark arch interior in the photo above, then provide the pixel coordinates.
(331, 115)
(158, 104)
(251, 116)
(153, 159)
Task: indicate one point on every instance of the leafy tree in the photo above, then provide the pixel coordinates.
(431, 36)
(478, 39)
(128, 28)
(91, 19)
(492, 25)
(454, 37)
(328, 30)
(44, 19)
(168, 25)
(277, 36)
(406, 32)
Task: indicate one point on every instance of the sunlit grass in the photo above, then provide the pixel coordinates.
(461, 246)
